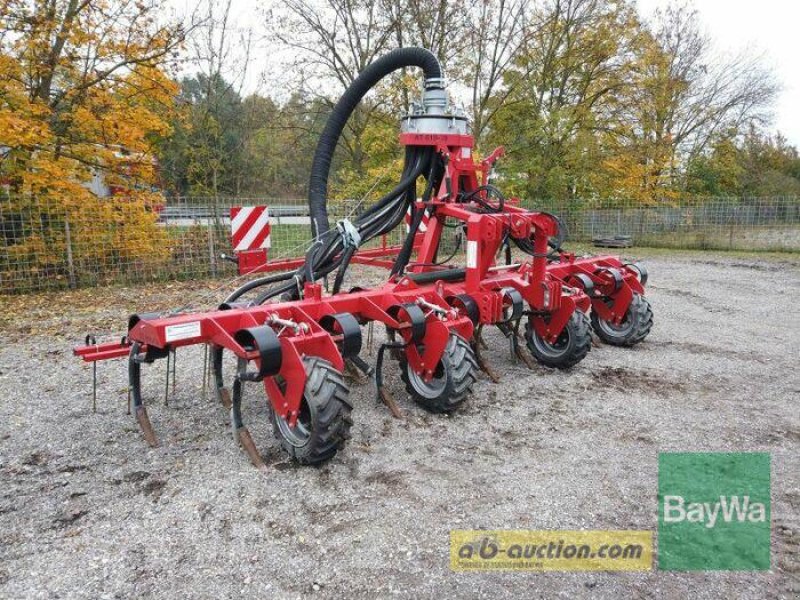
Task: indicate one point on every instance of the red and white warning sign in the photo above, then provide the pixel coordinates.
(423, 226)
(250, 228)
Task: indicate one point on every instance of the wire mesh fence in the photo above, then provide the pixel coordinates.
(760, 224)
(44, 245)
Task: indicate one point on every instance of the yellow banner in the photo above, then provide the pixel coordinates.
(521, 550)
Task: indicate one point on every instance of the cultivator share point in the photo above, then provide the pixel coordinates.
(294, 340)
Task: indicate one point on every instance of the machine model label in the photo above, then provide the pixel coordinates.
(184, 331)
(472, 254)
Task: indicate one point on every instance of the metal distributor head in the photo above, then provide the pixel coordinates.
(435, 114)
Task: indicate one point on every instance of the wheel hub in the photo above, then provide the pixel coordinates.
(428, 389)
(298, 435)
(613, 329)
(554, 349)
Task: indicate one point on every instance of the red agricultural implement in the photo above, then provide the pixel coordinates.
(293, 338)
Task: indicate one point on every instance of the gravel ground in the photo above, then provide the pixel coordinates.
(88, 511)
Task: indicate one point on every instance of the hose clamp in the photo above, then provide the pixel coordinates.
(299, 285)
(435, 83)
(349, 233)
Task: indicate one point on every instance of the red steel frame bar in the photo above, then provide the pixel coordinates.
(549, 289)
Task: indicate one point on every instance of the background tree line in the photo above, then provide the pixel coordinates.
(593, 103)
(590, 100)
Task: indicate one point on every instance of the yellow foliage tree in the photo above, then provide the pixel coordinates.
(84, 92)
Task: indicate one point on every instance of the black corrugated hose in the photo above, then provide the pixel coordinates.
(329, 251)
(366, 80)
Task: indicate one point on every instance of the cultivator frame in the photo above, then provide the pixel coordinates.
(298, 347)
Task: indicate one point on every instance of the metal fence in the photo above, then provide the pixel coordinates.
(760, 224)
(46, 245)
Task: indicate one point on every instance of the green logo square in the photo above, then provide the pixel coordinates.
(714, 511)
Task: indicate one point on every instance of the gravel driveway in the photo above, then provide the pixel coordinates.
(87, 510)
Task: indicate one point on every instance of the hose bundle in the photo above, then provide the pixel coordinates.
(333, 248)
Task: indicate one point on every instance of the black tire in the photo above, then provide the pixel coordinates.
(568, 350)
(452, 381)
(634, 328)
(323, 425)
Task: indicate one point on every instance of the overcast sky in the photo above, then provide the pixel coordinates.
(767, 27)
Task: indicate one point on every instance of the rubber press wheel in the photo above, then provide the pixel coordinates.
(633, 328)
(323, 425)
(570, 348)
(452, 380)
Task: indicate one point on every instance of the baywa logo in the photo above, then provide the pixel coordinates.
(714, 511)
(730, 509)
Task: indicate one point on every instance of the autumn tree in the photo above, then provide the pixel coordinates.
(84, 89)
(770, 165)
(683, 97)
(746, 165)
(599, 104)
(718, 171)
(331, 41)
(295, 123)
(220, 51)
(564, 87)
(204, 156)
(590, 101)
(497, 33)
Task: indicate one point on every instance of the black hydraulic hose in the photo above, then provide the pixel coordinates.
(251, 285)
(411, 171)
(527, 247)
(395, 218)
(405, 253)
(490, 189)
(417, 215)
(562, 234)
(444, 261)
(374, 221)
(311, 258)
(348, 254)
(366, 80)
(400, 203)
(329, 251)
(289, 287)
(457, 274)
(526, 244)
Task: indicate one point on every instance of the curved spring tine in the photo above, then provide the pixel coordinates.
(479, 337)
(135, 386)
(521, 354)
(484, 366)
(241, 434)
(382, 393)
(222, 393)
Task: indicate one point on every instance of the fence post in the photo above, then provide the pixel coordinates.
(70, 264)
(211, 256)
